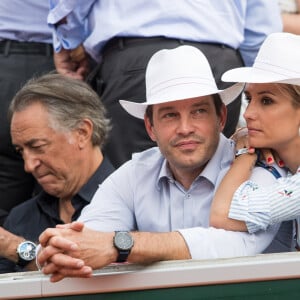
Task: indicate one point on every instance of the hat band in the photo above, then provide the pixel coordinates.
(206, 83)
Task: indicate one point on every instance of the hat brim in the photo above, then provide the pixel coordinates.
(255, 75)
(138, 109)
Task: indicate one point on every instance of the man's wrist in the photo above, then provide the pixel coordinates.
(9, 243)
(77, 54)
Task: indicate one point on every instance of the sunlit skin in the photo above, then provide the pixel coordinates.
(55, 158)
(187, 133)
(273, 122)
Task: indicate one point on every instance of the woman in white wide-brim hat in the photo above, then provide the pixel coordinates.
(273, 119)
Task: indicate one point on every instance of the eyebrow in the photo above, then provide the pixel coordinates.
(197, 104)
(261, 92)
(31, 142)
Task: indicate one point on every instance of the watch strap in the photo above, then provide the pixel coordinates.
(122, 256)
(123, 249)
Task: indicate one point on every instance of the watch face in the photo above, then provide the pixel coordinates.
(26, 250)
(123, 240)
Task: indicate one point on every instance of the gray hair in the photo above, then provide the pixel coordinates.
(68, 101)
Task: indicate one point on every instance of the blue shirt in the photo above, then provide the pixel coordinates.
(25, 21)
(143, 195)
(235, 23)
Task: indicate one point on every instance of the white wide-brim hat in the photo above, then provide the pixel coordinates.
(277, 61)
(178, 74)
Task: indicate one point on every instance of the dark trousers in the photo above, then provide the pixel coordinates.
(122, 76)
(19, 62)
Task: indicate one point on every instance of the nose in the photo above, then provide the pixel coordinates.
(31, 162)
(185, 125)
(250, 112)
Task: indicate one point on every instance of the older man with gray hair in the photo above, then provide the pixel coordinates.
(58, 125)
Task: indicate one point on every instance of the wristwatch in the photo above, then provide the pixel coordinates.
(123, 242)
(26, 253)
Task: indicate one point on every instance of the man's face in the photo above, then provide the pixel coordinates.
(187, 133)
(53, 157)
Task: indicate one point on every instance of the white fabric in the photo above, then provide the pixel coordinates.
(278, 60)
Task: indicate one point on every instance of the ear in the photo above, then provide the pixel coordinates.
(149, 128)
(84, 133)
(223, 117)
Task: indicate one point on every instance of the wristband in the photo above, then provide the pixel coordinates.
(37, 250)
(241, 151)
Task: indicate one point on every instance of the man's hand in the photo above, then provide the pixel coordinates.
(73, 250)
(68, 64)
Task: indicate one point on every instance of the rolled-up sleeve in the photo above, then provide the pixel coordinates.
(261, 206)
(74, 30)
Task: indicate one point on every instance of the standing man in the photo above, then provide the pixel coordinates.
(58, 125)
(122, 35)
(25, 51)
(156, 206)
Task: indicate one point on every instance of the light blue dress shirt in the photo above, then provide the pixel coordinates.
(25, 21)
(240, 24)
(143, 195)
(261, 206)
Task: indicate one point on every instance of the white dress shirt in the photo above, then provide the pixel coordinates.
(142, 195)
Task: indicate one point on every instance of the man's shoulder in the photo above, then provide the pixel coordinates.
(27, 207)
(141, 164)
(147, 157)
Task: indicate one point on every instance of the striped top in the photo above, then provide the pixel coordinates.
(261, 207)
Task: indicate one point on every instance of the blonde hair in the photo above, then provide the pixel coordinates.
(293, 91)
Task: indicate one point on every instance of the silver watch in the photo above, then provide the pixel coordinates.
(26, 253)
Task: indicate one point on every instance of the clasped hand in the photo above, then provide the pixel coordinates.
(72, 250)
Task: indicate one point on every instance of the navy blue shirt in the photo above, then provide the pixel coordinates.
(32, 217)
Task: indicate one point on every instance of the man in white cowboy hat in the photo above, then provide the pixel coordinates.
(156, 206)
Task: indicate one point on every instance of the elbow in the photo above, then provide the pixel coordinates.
(217, 221)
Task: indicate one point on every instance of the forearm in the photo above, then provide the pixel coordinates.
(151, 247)
(9, 244)
(239, 172)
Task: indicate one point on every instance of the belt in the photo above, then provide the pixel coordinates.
(119, 43)
(125, 42)
(8, 47)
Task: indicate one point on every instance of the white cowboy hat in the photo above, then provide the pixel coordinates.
(177, 74)
(278, 61)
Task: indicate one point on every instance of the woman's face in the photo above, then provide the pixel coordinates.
(272, 119)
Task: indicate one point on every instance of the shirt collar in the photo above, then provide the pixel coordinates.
(221, 159)
(89, 189)
(48, 203)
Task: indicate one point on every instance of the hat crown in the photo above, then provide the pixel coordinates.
(280, 54)
(179, 73)
(277, 61)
